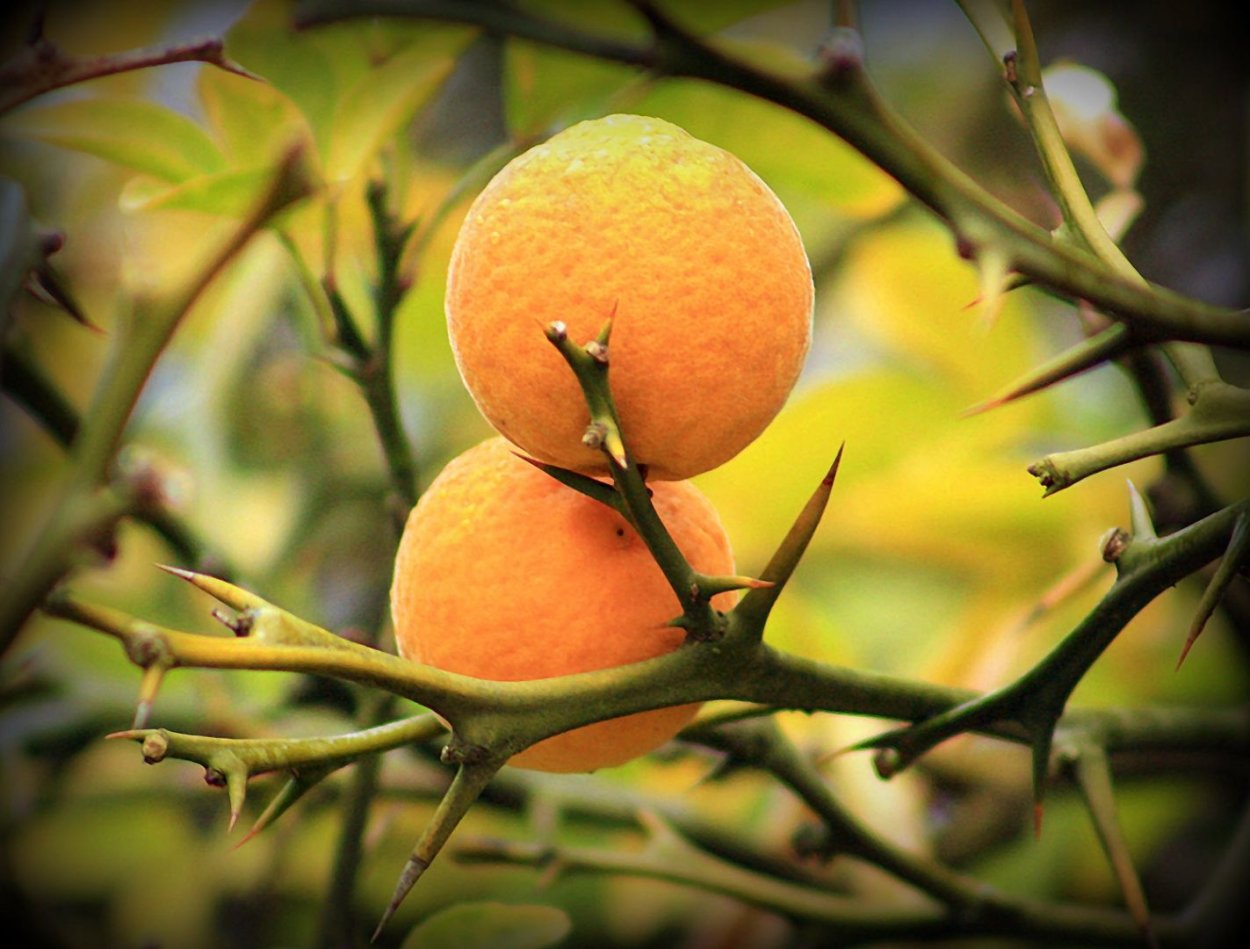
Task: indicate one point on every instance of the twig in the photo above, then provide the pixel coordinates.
(41, 66)
(851, 109)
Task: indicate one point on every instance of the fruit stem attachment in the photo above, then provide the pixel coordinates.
(590, 364)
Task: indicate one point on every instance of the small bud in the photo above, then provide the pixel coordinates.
(155, 746)
(841, 54)
(556, 331)
(597, 351)
(1114, 543)
(215, 777)
(240, 625)
(50, 242)
(887, 762)
(596, 434)
(1009, 66)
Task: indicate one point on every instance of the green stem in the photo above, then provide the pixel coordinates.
(29, 387)
(844, 919)
(1194, 363)
(263, 755)
(762, 744)
(41, 67)
(1036, 702)
(851, 109)
(1220, 411)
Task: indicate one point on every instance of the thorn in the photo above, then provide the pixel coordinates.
(721, 768)
(1111, 343)
(614, 445)
(994, 273)
(751, 583)
(756, 604)
(407, 880)
(236, 791)
(234, 597)
(153, 675)
(832, 474)
(606, 331)
(133, 734)
(1237, 553)
(1140, 522)
(142, 712)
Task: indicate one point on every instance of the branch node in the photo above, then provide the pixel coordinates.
(841, 55)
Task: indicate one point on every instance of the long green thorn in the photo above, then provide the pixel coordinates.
(466, 787)
(1093, 776)
(593, 488)
(758, 601)
(153, 676)
(1140, 521)
(1115, 341)
(1235, 556)
(234, 597)
(295, 788)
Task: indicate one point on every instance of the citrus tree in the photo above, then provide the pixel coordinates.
(751, 626)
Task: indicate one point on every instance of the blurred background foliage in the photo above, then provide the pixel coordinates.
(936, 550)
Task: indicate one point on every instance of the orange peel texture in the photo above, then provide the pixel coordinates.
(697, 262)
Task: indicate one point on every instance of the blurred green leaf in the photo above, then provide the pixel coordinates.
(490, 925)
(264, 42)
(546, 87)
(250, 119)
(379, 102)
(133, 133)
(226, 193)
(354, 82)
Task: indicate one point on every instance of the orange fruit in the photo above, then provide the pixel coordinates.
(695, 258)
(504, 573)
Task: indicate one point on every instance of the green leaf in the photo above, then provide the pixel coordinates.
(227, 193)
(250, 119)
(490, 925)
(381, 100)
(545, 87)
(133, 133)
(354, 82)
(264, 42)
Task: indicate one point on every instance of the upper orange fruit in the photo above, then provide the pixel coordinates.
(696, 257)
(504, 573)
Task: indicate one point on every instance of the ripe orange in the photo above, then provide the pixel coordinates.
(504, 573)
(698, 259)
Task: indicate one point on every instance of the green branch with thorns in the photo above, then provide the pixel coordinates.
(725, 657)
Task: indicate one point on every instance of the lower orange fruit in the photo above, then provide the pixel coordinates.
(504, 573)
